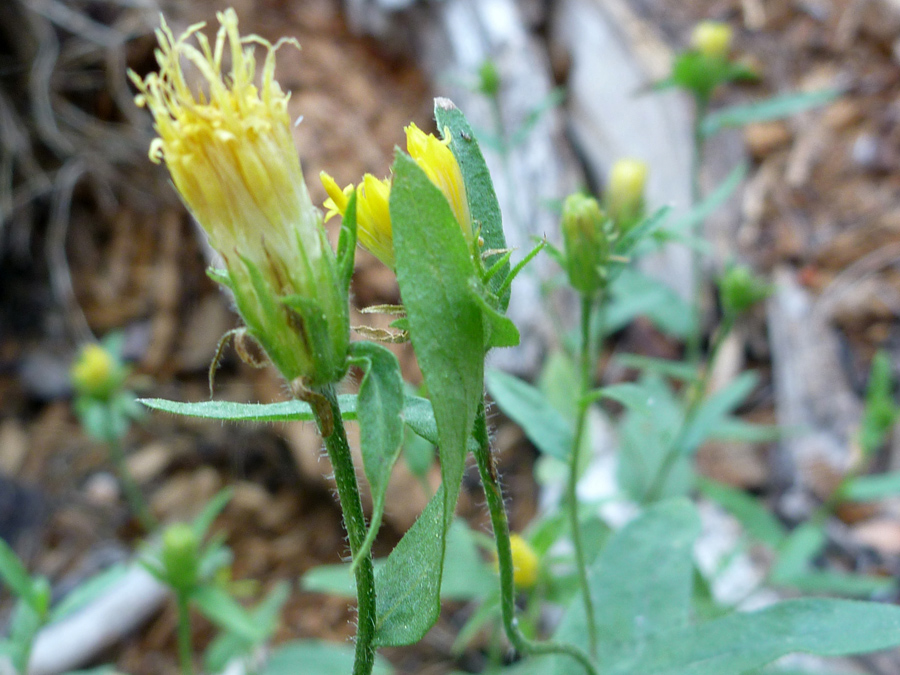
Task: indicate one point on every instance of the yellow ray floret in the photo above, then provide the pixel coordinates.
(373, 216)
(229, 148)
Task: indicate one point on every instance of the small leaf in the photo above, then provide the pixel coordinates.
(87, 591)
(316, 656)
(752, 514)
(769, 109)
(283, 411)
(220, 608)
(677, 370)
(483, 205)
(871, 488)
(213, 508)
(712, 411)
(529, 408)
(797, 552)
(632, 396)
(689, 221)
(500, 330)
(13, 573)
(379, 408)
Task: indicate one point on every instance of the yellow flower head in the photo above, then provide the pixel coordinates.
(625, 191)
(373, 217)
(712, 39)
(525, 562)
(96, 372)
(229, 148)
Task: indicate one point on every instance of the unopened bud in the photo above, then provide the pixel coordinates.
(712, 39)
(97, 372)
(585, 242)
(625, 192)
(180, 556)
(488, 78)
(740, 289)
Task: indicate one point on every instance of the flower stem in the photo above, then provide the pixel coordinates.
(133, 495)
(694, 339)
(331, 426)
(695, 397)
(185, 648)
(494, 495)
(586, 370)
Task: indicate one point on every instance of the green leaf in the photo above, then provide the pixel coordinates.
(677, 370)
(689, 221)
(316, 656)
(87, 591)
(740, 642)
(283, 411)
(633, 294)
(841, 583)
(483, 205)
(752, 514)
(408, 585)
(713, 410)
(732, 428)
(880, 412)
(466, 575)
(346, 250)
(632, 396)
(641, 587)
(213, 508)
(797, 552)
(627, 244)
(228, 646)
(220, 608)
(767, 110)
(529, 408)
(871, 488)
(500, 331)
(13, 573)
(447, 333)
(379, 406)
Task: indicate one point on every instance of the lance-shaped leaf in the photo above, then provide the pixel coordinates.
(379, 408)
(446, 328)
(483, 203)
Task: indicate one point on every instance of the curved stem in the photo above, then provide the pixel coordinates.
(185, 648)
(695, 398)
(586, 370)
(500, 523)
(329, 420)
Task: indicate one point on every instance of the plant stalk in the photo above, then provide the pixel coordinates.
(494, 496)
(586, 372)
(700, 112)
(133, 495)
(329, 421)
(185, 648)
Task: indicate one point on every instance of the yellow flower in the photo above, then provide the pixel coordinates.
(625, 191)
(525, 562)
(231, 154)
(712, 39)
(373, 195)
(96, 372)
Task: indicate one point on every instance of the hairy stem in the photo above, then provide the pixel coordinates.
(500, 523)
(586, 371)
(329, 420)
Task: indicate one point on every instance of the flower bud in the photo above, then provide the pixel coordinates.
(488, 78)
(740, 289)
(181, 556)
(373, 218)
(525, 562)
(712, 39)
(231, 155)
(97, 372)
(625, 192)
(585, 242)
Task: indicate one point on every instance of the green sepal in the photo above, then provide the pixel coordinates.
(346, 249)
(220, 276)
(315, 330)
(499, 330)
